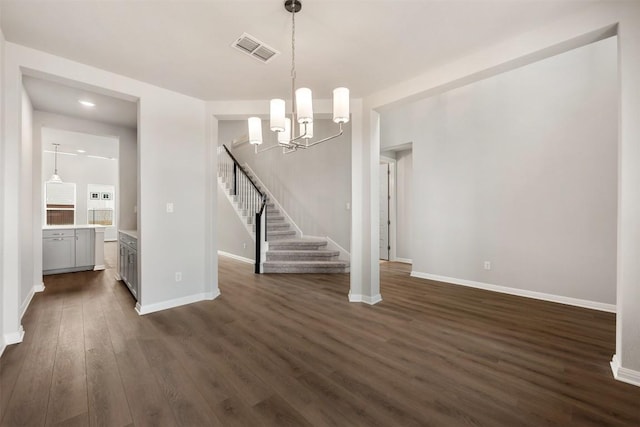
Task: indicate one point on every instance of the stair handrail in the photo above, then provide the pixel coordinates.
(236, 164)
(261, 213)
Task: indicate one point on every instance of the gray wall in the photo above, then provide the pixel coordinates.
(404, 201)
(232, 234)
(520, 170)
(313, 186)
(27, 278)
(2, 287)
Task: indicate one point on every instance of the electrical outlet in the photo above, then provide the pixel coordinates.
(244, 245)
(178, 276)
(487, 265)
(169, 207)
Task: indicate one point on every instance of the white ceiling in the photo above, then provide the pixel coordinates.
(62, 99)
(71, 142)
(366, 45)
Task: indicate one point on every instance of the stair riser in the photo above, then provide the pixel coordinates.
(304, 270)
(301, 258)
(296, 247)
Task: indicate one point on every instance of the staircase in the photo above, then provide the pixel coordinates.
(288, 252)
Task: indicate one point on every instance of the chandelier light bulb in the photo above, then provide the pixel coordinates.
(341, 105)
(304, 103)
(255, 130)
(277, 115)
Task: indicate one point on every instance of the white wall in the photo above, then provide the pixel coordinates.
(404, 202)
(521, 170)
(26, 205)
(2, 183)
(313, 186)
(173, 164)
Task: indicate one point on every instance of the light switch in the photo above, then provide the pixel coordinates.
(348, 206)
(169, 207)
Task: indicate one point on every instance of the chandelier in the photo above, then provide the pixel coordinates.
(301, 107)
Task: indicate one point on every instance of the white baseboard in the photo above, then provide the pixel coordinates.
(236, 257)
(165, 305)
(403, 260)
(14, 337)
(365, 298)
(626, 375)
(594, 305)
(27, 301)
(99, 267)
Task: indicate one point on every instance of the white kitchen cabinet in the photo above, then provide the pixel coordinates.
(67, 250)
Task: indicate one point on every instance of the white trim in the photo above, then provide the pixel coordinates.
(365, 298)
(404, 260)
(333, 246)
(2, 346)
(626, 375)
(274, 201)
(27, 301)
(236, 257)
(594, 305)
(165, 305)
(99, 267)
(14, 337)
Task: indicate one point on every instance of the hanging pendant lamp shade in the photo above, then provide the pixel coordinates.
(55, 177)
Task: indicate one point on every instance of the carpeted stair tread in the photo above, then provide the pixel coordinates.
(302, 255)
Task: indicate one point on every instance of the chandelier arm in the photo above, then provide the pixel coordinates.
(326, 139)
(269, 147)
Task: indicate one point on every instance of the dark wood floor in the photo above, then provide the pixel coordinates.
(280, 350)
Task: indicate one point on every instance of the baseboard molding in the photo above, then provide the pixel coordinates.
(626, 375)
(99, 267)
(272, 199)
(236, 257)
(403, 260)
(27, 301)
(165, 305)
(365, 298)
(594, 305)
(14, 337)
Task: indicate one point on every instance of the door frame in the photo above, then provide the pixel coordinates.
(392, 204)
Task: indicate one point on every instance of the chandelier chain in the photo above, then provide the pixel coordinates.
(293, 63)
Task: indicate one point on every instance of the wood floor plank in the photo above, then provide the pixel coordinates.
(68, 398)
(108, 405)
(30, 396)
(277, 350)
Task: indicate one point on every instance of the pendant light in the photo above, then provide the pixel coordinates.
(55, 177)
(302, 107)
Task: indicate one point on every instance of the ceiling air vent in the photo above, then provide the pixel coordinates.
(255, 48)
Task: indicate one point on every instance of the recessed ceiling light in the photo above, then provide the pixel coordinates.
(86, 103)
(81, 151)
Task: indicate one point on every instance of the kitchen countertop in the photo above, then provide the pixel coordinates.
(132, 233)
(71, 227)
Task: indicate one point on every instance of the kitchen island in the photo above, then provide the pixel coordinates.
(72, 248)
